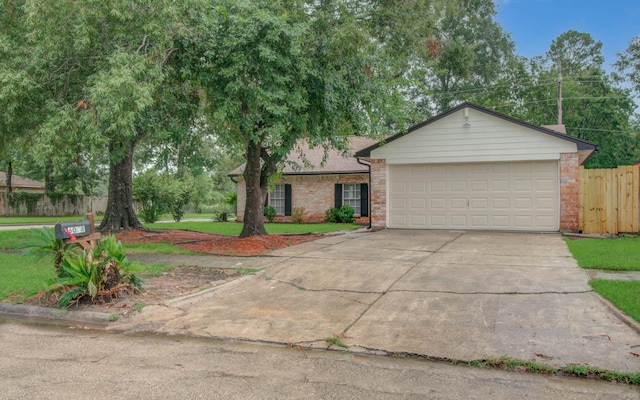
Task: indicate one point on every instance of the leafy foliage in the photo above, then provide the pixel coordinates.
(270, 213)
(276, 72)
(342, 215)
(628, 63)
(161, 193)
(43, 242)
(298, 215)
(95, 273)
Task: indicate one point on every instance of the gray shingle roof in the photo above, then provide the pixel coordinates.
(334, 163)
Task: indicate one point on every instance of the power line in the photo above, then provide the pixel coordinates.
(604, 130)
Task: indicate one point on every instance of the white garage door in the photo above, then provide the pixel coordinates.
(495, 196)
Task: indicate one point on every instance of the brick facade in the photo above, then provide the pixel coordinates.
(313, 192)
(569, 163)
(378, 191)
(316, 193)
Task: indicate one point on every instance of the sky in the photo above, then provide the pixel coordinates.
(533, 24)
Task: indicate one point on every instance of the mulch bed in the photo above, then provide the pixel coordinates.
(209, 243)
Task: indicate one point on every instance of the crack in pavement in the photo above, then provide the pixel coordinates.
(359, 317)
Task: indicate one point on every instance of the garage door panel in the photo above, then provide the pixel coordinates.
(437, 204)
(458, 186)
(523, 185)
(505, 196)
(438, 221)
(479, 221)
(479, 204)
(500, 221)
(458, 204)
(479, 185)
(459, 221)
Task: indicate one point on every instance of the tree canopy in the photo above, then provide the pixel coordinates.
(107, 73)
(276, 72)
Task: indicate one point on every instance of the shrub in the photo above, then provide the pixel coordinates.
(270, 213)
(102, 273)
(298, 215)
(159, 194)
(222, 216)
(343, 214)
(97, 273)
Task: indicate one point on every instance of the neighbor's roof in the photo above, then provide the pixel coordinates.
(18, 181)
(335, 162)
(581, 144)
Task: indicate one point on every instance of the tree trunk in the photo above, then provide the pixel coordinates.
(49, 185)
(254, 206)
(9, 177)
(120, 213)
(269, 167)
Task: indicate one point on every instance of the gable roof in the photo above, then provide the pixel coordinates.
(581, 144)
(20, 182)
(334, 163)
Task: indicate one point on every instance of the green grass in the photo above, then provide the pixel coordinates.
(41, 220)
(624, 294)
(234, 228)
(23, 275)
(12, 239)
(621, 254)
(144, 270)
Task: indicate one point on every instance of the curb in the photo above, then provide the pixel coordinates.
(53, 314)
(630, 322)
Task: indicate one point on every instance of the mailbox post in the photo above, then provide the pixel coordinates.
(80, 232)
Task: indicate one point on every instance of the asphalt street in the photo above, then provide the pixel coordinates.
(58, 362)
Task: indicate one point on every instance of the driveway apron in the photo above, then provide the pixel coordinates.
(453, 295)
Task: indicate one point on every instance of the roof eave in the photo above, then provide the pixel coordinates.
(581, 144)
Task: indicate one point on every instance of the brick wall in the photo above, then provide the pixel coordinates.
(378, 191)
(569, 163)
(313, 192)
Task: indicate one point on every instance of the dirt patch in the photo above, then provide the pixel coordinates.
(180, 281)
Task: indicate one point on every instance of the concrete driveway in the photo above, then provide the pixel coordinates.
(454, 295)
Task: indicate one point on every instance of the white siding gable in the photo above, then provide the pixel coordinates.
(479, 138)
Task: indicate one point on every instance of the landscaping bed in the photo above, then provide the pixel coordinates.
(179, 281)
(209, 243)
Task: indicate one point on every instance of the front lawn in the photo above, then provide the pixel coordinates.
(41, 220)
(616, 254)
(624, 294)
(23, 276)
(234, 228)
(621, 254)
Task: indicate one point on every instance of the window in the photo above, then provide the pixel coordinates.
(276, 199)
(351, 196)
(355, 195)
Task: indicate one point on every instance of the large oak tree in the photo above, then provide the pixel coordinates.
(277, 72)
(107, 68)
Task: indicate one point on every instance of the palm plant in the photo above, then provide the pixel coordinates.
(43, 242)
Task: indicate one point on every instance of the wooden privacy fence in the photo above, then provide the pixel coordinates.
(609, 200)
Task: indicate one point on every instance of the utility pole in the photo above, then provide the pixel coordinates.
(559, 92)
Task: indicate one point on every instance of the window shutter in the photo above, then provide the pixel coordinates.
(266, 199)
(287, 199)
(338, 201)
(364, 200)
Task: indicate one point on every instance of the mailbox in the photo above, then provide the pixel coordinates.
(65, 230)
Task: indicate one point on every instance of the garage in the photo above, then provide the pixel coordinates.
(494, 196)
(471, 168)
